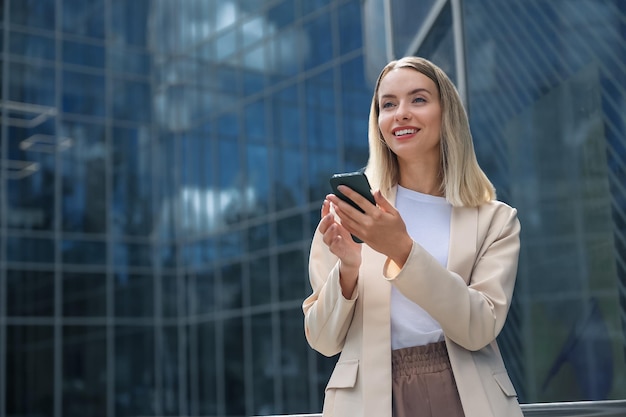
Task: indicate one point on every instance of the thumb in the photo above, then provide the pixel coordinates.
(382, 202)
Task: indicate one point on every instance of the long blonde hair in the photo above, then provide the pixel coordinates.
(463, 181)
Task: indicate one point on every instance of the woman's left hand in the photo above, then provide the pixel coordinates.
(381, 226)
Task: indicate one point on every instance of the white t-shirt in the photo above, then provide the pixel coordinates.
(427, 219)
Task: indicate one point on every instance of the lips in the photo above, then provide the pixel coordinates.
(405, 131)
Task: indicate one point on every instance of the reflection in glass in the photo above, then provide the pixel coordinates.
(32, 46)
(289, 229)
(83, 93)
(134, 371)
(32, 84)
(205, 376)
(84, 18)
(84, 371)
(230, 290)
(84, 294)
(85, 54)
(30, 293)
(261, 281)
(30, 250)
(33, 13)
(264, 366)
(292, 276)
(29, 370)
(134, 295)
(234, 383)
(294, 361)
(80, 252)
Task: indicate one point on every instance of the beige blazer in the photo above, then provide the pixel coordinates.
(470, 299)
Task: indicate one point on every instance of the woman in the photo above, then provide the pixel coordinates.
(415, 309)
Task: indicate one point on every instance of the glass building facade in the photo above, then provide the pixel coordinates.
(163, 162)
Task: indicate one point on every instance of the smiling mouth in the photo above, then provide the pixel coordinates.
(404, 132)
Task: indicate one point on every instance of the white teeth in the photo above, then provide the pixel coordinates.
(404, 132)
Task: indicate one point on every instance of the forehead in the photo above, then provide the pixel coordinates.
(404, 80)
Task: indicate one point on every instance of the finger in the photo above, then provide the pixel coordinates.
(382, 202)
(325, 208)
(358, 199)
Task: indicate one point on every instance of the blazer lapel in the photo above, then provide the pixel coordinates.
(463, 233)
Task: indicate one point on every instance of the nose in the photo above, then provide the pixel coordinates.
(402, 112)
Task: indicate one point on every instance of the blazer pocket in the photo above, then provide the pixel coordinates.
(503, 380)
(344, 375)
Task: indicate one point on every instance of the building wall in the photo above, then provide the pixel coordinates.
(163, 165)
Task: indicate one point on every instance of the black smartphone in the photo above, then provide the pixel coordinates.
(356, 181)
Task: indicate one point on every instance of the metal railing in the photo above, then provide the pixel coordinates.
(613, 408)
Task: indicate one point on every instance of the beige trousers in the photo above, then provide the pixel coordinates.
(423, 384)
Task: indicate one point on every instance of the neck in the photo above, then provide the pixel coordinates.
(423, 176)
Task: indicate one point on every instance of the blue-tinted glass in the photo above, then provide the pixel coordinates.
(288, 186)
(286, 113)
(84, 371)
(33, 13)
(407, 18)
(291, 265)
(207, 376)
(230, 290)
(83, 93)
(258, 237)
(31, 250)
(84, 294)
(129, 22)
(294, 354)
(130, 61)
(85, 54)
(170, 303)
(350, 31)
(29, 392)
(32, 84)
(132, 254)
(255, 67)
(308, 6)
(231, 245)
(204, 293)
(260, 281)
(263, 363)
(439, 44)
(134, 295)
(84, 173)
(283, 14)
(83, 252)
(322, 164)
(289, 229)
(234, 383)
(258, 180)
(320, 98)
(319, 32)
(132, 100)
(132, 182)
(134, 371)
(32, 46)
(30, 293)
(172, 369)
(84, 18)
(226, 45)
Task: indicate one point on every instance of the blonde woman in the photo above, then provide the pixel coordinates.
(415, 310)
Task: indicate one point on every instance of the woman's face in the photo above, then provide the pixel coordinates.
(410, 115)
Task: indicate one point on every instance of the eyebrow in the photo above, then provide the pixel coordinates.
(411, 93)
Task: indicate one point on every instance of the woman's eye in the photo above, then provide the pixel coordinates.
(386, 105)
(419, 100)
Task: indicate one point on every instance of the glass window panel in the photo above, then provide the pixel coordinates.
(264, 365)
(321, 121)
(132, 100)
(85, 54)
(258, 237)
(407, 18)
(207, 370)
(30, 293)
(134, 371)
(230, 290)
(84, 294)
(321, 166)
(33, 13)
(252, 31)
(292, 274)
(282, 14)
(255, 117)
(29, 371)
(84, 175)
(83, 93)
(129, 61)
(132, 206)
(350, 31)
(32, 46)
(204, 294)
(134, 295)
(319, 32)
(289, 229)
(132, 254)
(287, 119)
(234, 367)
(288, 188)
(80, 252)
(30, 181)
(84, 18)
(169, 295)
(129, 22)
(258, 180)
(32, 84)
(260, 281)
(439, 44)
(226, 45)
(309, 6)
(294, 361)
(29, 250)
(84, 371)
(171, 369)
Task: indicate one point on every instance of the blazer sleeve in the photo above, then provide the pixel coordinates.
(470, 315)
(327, 313)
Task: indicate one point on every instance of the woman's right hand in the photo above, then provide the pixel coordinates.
(340, 243)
